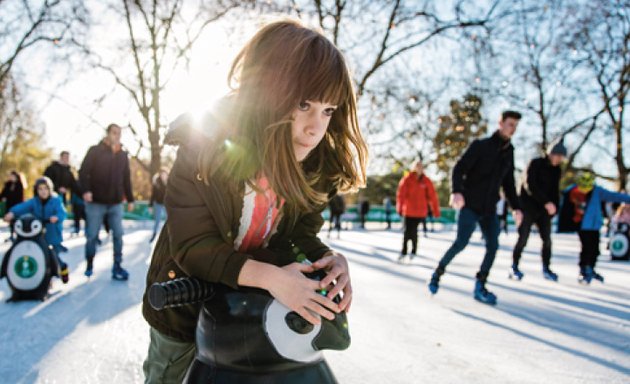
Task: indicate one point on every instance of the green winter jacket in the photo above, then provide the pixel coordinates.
(198, 237)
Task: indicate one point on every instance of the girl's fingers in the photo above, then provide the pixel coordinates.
(331, 276)
(341, 285)
(318, 309)
(312, 285)
(300, 267)
(348, 306)
(323, 262)
(309, 316)
(347, 298)
(325, 302)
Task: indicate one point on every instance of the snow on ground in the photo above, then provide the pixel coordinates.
(93, 331)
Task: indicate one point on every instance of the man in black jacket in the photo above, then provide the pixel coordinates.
(106, 180)
(485, 167)
(61, 175)
(539, 196)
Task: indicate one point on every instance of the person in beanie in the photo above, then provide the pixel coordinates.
(485, 167)
(581, 211)
(539, 196)
(46, 205)
(106, 180)
(415, 196)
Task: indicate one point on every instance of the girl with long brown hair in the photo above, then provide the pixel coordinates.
(247, 189)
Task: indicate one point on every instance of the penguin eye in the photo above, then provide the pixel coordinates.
(36, 226)
(18, 225)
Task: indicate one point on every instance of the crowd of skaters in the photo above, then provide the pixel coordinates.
(97, 196)
(201, 242)
(483, 188)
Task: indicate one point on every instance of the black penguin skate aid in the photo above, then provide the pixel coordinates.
(30, 263)
(246, 336)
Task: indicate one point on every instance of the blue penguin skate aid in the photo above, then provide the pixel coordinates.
(30, 263)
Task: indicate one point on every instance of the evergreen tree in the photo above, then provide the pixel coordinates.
(456, 131)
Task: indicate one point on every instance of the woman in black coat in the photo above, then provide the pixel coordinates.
(13, 193)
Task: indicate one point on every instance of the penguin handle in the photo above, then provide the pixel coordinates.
(178, 292)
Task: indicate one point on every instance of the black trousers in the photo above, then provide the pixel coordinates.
(78, 211)
(543, 222)
(411, 233)
(335, 222)
(590, 248)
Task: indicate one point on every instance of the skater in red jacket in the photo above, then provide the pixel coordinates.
(414, 198)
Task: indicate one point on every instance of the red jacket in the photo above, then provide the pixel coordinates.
(414, 196)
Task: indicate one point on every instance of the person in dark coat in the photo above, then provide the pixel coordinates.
(61, 175)
(78, 211)
(337, 207)
(485, 167)
(13, 194)
(106, 180)
(158, 190)
(539, 196)
(364, 209)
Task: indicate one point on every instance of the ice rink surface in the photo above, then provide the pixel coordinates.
(540, 331)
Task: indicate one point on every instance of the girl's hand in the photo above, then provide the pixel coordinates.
(53, 219)
(337, 267)
(290, 287)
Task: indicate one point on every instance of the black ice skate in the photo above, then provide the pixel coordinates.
(516, 274)
(549, 274)
(483, 295)
(434, 284)
(119, 273)
(586, 275)
(598, 277)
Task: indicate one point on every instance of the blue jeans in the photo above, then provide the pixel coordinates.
(95, 213)
(158, 210)
(466, 224)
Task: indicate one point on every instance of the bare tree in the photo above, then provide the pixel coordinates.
(159, 38)
(601, 42)
(376, 33)
(543, 70)
(533, 71)
(27, 24)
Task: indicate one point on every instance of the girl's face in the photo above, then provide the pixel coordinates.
(12, 178)
(310, 122)
(43, 192)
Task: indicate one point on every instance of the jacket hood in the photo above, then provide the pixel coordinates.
(187, 125)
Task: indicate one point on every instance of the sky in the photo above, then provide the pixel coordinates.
(71, 117)
(74, 123)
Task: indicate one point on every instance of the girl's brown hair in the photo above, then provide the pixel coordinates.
(283, 64)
